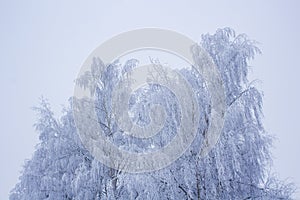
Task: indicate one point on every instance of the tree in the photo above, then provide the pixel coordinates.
(236, 168)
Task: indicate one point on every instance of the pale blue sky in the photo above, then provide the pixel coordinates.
(43, 44)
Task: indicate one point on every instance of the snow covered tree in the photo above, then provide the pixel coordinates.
(236, 168)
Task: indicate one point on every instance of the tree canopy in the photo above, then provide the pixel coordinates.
(236, 168)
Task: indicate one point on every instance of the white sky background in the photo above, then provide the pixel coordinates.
(43, 44)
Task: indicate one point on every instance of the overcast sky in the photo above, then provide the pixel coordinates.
(44, 43)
